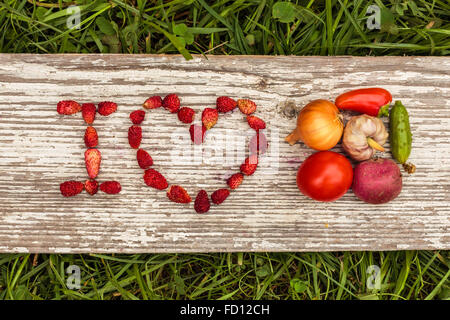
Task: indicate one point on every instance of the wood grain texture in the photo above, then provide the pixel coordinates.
(39, 149)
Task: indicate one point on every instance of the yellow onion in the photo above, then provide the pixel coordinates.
(319, 125)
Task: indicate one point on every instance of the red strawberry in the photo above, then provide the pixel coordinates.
(137, 116)
(91, 186)
(197, 133)
(153, 102)
(105, 108)
(171, 102)
(186, 115)
(68, 107)
(144, 159)
(88, 111)
(246, 106)
(235, 180)
(209, 117)
(225, 104)
(220, 195)
(111, 187)
(258, 143)
(154, 179)
(201, 204)
(178, 194)
(256, 123)
(92, 158)
(135, 136)
(249, 165)
(71, 188)
(90, 137)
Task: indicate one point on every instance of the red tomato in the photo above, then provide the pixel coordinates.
(325, 176)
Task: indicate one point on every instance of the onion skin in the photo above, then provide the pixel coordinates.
(319, 126)
(377, 181)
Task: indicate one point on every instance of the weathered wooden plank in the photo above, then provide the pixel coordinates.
(39, 149)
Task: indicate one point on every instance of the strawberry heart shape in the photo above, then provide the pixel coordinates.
(210, 116)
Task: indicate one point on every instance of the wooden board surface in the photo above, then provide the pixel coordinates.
(39, 149)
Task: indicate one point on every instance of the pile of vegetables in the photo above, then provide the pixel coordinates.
(327, 175)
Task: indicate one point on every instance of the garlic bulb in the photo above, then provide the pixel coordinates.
(363, 135)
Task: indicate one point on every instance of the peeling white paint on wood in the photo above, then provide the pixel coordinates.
(39, 149)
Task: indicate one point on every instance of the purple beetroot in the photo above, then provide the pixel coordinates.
(377, 181)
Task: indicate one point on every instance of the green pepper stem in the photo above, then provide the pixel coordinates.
(384, 111)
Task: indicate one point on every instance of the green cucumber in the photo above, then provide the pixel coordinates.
(400, 132)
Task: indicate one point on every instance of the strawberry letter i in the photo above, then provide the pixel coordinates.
(92, 155)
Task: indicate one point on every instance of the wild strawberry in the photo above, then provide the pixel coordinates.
(171, 102)
(92, 158)
(220, 195)
(91, 186)
(249, 165)
(153, 102)
(178, 194)
(90, 137)
(186, 115)
(135, 136)
(258, 144)
(235, 180)
(225, 104)
(209, 117)
(246, 106)
(144, 159)
(105, 108)
(154, 179)
(71, 188)
(201, 203)
(88, 111)
(197, 133)
(68, 107)
(111, 187)
(137, 116)
(256, 123)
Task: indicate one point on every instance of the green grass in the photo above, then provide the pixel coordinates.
(279, 276)
(227, 27)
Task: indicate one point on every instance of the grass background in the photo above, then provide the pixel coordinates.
(227, 27)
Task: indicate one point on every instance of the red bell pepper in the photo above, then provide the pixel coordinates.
(372, 101)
